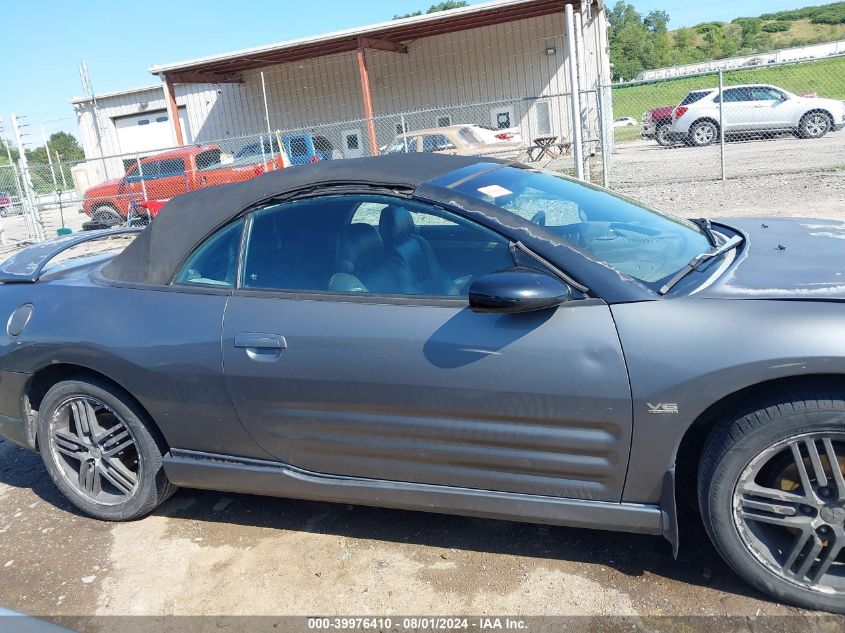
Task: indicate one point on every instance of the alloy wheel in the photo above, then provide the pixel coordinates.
(704, 134)
(817, 125)
(789, 510)
(95, 450)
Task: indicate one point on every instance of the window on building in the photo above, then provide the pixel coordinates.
(444, 121)
(543, 112)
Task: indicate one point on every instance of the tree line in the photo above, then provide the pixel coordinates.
(639, 42)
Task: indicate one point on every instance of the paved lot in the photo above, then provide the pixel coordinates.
(223, 554)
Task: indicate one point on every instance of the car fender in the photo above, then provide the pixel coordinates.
(684, 355)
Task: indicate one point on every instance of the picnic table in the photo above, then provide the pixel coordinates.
(547, 147)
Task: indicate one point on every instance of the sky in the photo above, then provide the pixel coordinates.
(44, 40)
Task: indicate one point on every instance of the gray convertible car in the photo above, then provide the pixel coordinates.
(449, 334)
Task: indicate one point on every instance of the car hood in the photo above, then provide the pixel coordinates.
(785, 258)
(833, 104)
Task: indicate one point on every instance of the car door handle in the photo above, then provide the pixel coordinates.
(249, 340)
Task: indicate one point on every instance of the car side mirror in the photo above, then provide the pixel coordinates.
(516, 290)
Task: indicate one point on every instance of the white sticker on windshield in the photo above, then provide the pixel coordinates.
(495, 191)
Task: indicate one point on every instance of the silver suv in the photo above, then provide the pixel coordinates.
(753, 110)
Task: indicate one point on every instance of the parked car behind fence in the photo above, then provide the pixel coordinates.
(753, 110)
(9, 204)
(162, 176)
(463, 140)
(301, 149)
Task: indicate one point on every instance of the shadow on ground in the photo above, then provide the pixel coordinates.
(630, 554)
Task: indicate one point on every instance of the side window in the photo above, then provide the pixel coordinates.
(370, 213)
(322, 144)
(208, 158)
(215, 262)
(767, 94)
(436, 143)
(369, 245)
(149, 170)
(736, 95)
(298, 147)
(399, 145)
(171, 167)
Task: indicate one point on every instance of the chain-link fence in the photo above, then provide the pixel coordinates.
(779, 118)
(111, 190)
(761, 120)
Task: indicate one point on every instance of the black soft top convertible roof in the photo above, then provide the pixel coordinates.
(187, 220)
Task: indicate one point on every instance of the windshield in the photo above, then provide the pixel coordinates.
(646, 244)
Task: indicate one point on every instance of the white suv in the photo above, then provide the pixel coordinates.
(753, 109)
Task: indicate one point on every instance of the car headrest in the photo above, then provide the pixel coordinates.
(396, 225)
(358, 246)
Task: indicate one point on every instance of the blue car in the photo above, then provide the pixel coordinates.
(302, 149)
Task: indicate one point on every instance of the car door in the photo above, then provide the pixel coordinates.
(773, 107)
(415, 387)
(740, 109)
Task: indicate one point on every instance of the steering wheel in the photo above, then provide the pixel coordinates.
(539, 218)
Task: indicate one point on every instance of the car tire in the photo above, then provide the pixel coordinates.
(772, 528)
(662, 135)
(106, 216)
(815, 125)
(703, 133)
(120, 452)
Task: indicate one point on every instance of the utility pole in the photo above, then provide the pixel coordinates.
(3, 240)
(49, 159)
(37, 230)
(89, 89)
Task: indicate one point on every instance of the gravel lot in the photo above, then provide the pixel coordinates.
(221, 554)
(783, 176)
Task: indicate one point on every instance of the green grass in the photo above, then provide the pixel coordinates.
(825, 77)
(627, 133)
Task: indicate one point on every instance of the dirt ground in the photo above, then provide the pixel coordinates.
(222, 554)
(206, 553)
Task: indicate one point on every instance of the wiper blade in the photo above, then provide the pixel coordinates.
(699, 260)
(706, 228)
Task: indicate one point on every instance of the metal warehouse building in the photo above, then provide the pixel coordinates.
(501, 64)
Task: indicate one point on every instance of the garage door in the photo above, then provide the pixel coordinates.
(142, 133)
